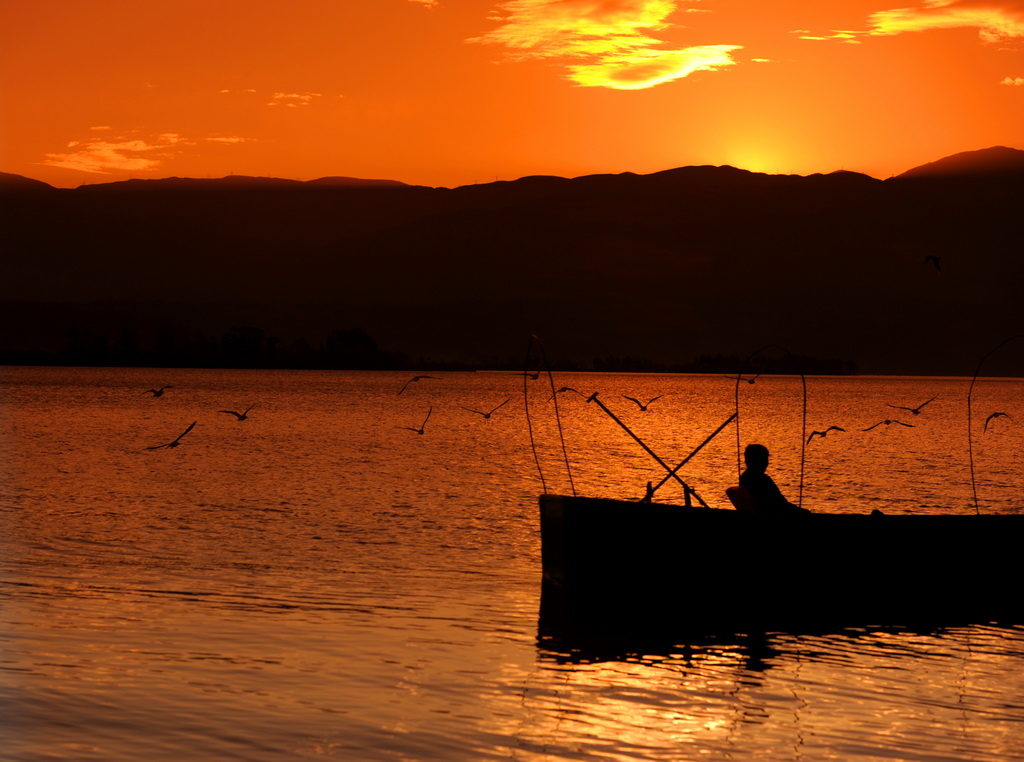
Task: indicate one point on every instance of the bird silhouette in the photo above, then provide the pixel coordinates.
(935, 261)
(157, 392)
(532, 376)
(177, 441)
(240, 416)
(823, 433)
(566, 389)
(889, 422)
(750, 380)
(411, 381)
(479, 412)
(995, 415)
(422, 425)
(912, 410)
(641, 405)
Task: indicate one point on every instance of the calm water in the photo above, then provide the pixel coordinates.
(319, 582)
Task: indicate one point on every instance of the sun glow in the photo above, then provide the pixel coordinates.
(756, 160)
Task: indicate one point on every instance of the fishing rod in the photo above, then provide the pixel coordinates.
(688, 490)
(558, 418)
(970, 439)
(689, 457)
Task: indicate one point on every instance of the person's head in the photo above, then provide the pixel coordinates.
(756, 457)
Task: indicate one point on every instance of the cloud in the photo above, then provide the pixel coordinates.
(292, 100)
(647, 68)
(426, 3)
(1013, 81)
(995, 20)
(101, 156)
(605, 43)
(231, 139)
(843, 35)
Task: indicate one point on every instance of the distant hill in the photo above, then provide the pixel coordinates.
(354, 182)
(238, 182)
(665, 267)
(994, 161)
(9, 182)
(988, 162)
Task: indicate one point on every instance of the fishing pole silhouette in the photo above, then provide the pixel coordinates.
(888, 422)
(935, 261)
(240, 416)
(420, 429)
(478, 412)
(824, 433)
(995, 415)
(912, 410)
(413, 380)
(157, 392)
(177, 441)
(641, 405)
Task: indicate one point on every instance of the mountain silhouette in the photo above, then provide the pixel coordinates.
(16, 183)
(233, 182)
(670, 266)
(988, 162)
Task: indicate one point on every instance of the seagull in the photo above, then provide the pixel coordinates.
(239, 416)
(177, 441)
(642, 406)
(823, 433)
(995, 415)
(532, 376)
(420, 429)
(157, 392)
(931, 259)
(748, 380)
(912, 411)
(413, 380)
(478, 412)
(567, 389)
(887, 422)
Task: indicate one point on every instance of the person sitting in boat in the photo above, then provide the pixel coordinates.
(766, 497)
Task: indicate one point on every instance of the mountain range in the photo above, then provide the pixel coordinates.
(919, 273)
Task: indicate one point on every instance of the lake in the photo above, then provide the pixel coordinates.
(322, 581)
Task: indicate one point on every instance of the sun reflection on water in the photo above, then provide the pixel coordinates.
(315, 580)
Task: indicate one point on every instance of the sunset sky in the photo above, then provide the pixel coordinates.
(452, 92)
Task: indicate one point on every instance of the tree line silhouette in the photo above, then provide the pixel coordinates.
(350, 349)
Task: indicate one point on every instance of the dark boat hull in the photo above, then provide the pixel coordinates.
(618, 565)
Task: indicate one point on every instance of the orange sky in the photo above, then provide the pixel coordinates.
(451, 92)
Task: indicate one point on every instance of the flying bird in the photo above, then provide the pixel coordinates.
(478, 412)
(177, 441)
(413, 380)
(888, 422)
(823, 433)
(641, 405)
(935, 261)
(750, 380)
(995, 415)
(420, 429)
(239, 416)
(566, 389)
(157, 392)
(912, 410)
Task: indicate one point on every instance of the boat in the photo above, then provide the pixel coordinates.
(624, 566)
